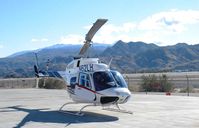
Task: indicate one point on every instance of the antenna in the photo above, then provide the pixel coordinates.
(109, 64)
(47, 64)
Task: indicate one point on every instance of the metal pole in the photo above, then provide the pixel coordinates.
(128, 80)
(187, 85)
(37, 82)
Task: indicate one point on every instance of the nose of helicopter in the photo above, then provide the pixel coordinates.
(123, 94)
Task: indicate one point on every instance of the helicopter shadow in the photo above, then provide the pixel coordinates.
(46, 116)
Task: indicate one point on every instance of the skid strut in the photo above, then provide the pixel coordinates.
(79, 113)
(117, 109)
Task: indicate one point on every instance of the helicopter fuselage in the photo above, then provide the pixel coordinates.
(92, 82)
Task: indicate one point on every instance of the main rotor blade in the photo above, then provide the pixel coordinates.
(96, 26)
(84, 48)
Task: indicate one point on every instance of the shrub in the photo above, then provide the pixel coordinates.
(165, 85)
(52, 83)
(153, 83)
(187, 89)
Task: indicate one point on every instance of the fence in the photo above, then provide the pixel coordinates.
(18, 83)
(180, 80)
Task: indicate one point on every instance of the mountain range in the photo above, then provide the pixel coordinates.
(127, 57)
(21, 64)
(140, 56)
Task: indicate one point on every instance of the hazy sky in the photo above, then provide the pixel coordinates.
(33, 24)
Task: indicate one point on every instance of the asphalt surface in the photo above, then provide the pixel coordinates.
(38, 108)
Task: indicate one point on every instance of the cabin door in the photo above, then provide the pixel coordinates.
(84, 89)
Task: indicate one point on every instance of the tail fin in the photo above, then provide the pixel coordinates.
(36, 71)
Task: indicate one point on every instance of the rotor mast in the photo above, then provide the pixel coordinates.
(88, 39)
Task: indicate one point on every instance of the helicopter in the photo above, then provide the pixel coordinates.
(91, 82)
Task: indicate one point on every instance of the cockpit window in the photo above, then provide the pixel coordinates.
(119, 79)
(103, 80)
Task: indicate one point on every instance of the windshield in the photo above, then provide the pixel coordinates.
(119, 79)
(103, 80)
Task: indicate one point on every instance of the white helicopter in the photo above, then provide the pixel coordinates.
(91, 82)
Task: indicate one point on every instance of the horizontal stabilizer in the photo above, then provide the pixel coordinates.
(41, 73)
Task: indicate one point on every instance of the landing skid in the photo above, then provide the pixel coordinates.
(117, 109)
(79, 113)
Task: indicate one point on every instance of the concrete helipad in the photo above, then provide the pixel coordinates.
(37, 108)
